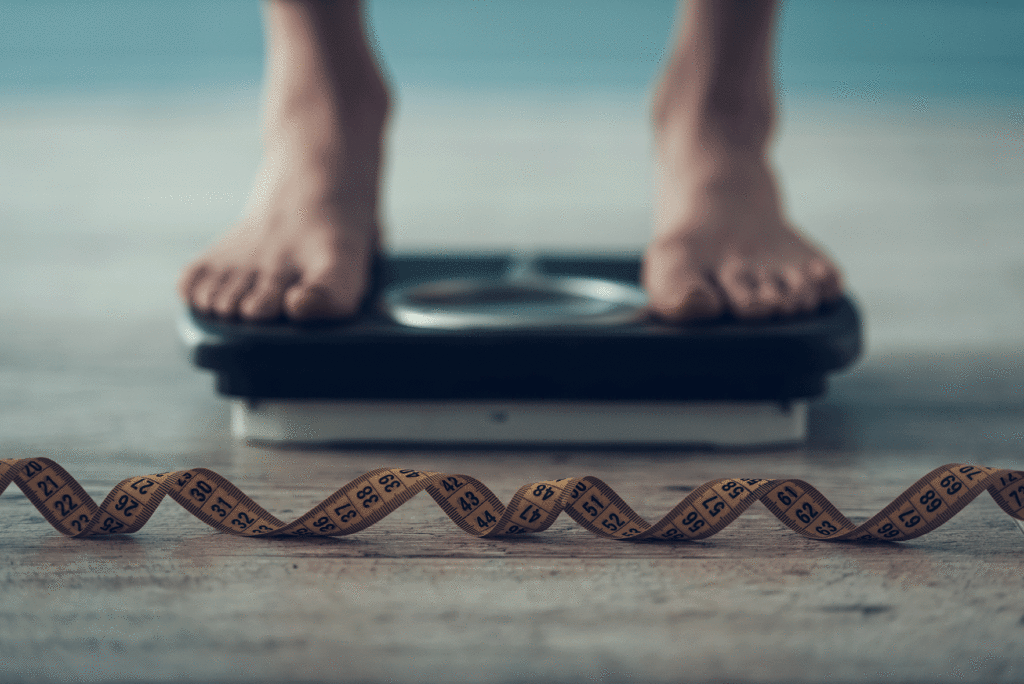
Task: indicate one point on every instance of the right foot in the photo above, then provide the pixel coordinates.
(722, 241)
(309, 234)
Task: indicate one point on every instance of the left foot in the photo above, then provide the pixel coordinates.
(303, 250)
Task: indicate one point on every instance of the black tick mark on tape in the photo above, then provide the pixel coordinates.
(591, 503)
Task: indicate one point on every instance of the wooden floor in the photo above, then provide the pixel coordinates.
(92, 376)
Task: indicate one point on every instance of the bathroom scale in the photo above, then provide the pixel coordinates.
(507, 349)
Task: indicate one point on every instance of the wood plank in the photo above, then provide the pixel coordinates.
(91, 375)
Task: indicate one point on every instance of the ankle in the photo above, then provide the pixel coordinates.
(731, 129)
(327, 125)
(697, 106)
(363, 101)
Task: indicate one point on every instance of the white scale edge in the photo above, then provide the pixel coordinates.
(727, 424)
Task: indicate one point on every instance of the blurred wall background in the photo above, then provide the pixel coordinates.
(838, 48)
(129, 135)
(826, 48)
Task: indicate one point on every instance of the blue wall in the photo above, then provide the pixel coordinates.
(883, 48)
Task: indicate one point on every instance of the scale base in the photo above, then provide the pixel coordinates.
(518, 423)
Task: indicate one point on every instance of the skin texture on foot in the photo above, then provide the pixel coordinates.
(303, 249)
(722, 244)
(300, 253)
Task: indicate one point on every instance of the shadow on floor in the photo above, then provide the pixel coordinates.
(963, 403)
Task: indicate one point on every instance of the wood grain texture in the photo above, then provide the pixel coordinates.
(415, 599)
(91, 375)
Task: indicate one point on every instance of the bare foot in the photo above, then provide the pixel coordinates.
(722, 242)
(304, 247)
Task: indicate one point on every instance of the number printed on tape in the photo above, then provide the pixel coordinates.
(925, 505)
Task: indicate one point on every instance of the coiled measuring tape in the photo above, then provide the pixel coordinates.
(366, 500)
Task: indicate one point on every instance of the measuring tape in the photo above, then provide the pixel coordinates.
(707, 510)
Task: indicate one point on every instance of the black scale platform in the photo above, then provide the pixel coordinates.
(373, 381)
(373, 357)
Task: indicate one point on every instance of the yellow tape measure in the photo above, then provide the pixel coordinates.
(707, 510)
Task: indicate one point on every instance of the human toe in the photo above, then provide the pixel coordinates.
(677, 289)
(792, 294)
(265, 301)
(332, 289)
(319, 301)
(826, 280)
(190, 277)
(225, 303)
(743, 292)
(205, 291)
(801, 296)
(772, 292)
(682, 300)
